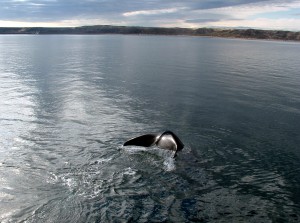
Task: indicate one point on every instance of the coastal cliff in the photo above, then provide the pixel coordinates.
(106, 29)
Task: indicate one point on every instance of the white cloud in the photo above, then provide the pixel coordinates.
(249, 15)
(263, 23)
(175, 13)
(247, 10)
(291, 24)
(8, 23)
(152, 12)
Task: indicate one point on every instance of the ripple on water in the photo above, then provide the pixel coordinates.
(65, 113)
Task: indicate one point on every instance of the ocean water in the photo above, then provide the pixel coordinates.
(68, 103)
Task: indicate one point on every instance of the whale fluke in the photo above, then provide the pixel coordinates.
(167, 140)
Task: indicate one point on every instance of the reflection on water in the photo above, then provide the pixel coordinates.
(69, 102)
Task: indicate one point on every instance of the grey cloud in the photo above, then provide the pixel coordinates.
(201, 20)
(219, 4)
(112, 10)
(64, 9)
(210, 17)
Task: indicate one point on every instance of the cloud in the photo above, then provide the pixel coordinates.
(262, 23)
(201, 20)
(188, 13)
(207, 17)
(151, 12)
(253, 15)
(247, 10)
(215, 4)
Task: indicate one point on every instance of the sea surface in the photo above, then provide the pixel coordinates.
(68, 103)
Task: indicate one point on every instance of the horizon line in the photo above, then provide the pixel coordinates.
(159, 27)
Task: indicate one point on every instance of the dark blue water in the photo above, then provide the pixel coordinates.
(68, 103)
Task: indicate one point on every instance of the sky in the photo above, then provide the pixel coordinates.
(260, 14)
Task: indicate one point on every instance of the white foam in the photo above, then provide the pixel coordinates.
(68, 181)
(129, 171)
(166, 155)
(135, 149)
(169, 164)
(52, 179)
(103, 160)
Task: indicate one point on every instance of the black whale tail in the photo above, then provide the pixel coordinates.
(144, 140)
(167, 140)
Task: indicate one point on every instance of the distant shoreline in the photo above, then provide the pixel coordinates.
(133, 30)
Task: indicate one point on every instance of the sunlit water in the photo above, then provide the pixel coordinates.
(68, 103)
